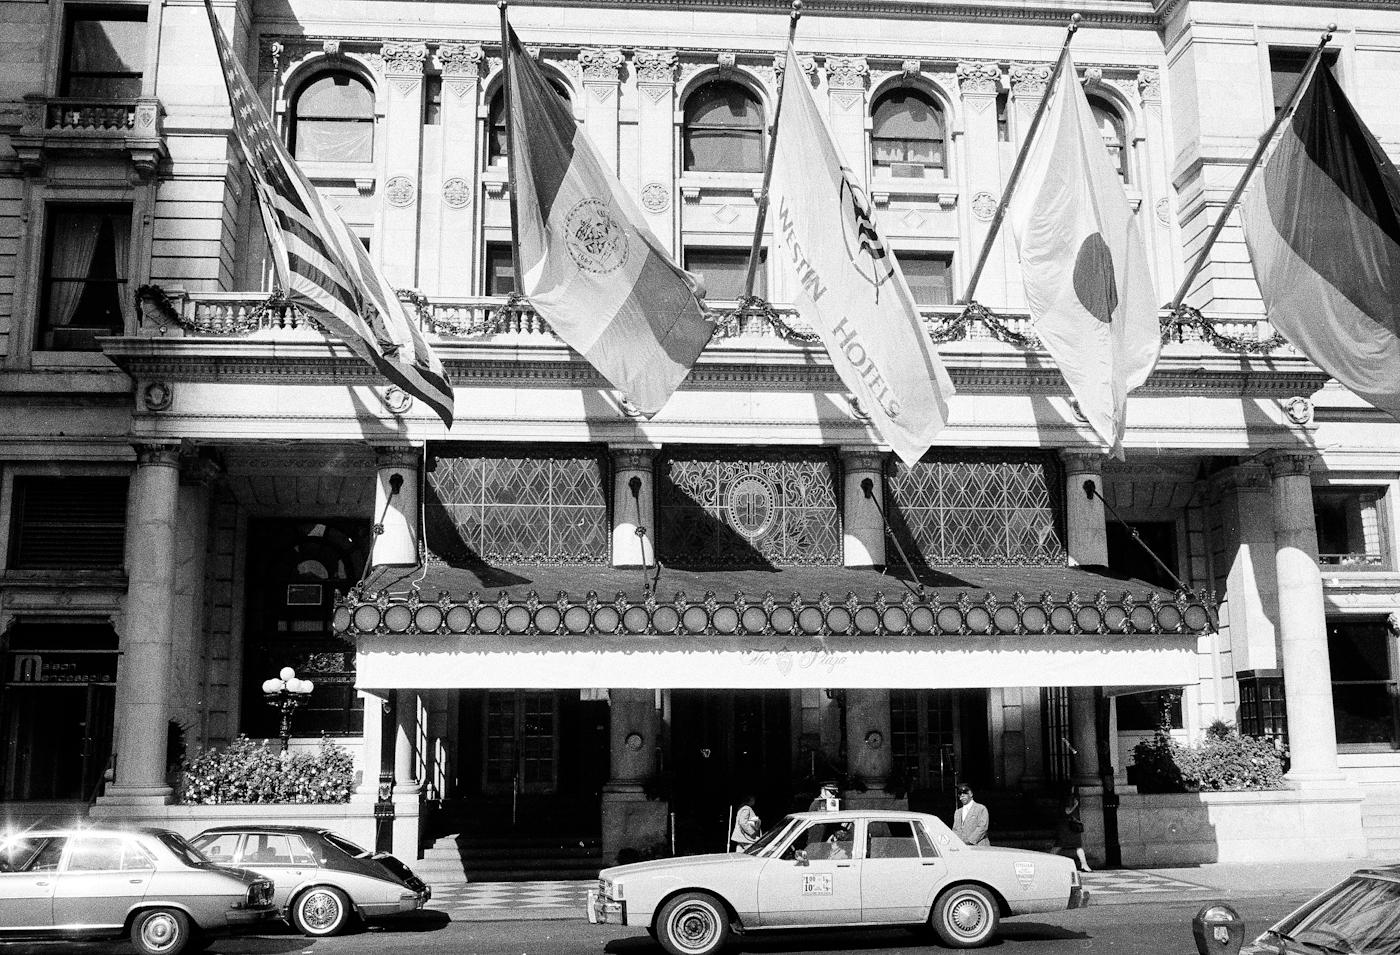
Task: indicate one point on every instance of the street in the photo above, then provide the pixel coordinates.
(1138, 927)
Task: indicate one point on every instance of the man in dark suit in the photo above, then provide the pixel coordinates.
(970, 821)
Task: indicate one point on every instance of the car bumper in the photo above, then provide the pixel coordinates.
(406, 904)
(602, 911)
(241, 918)
(1078, 896)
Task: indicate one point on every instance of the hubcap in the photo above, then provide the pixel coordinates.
(695, 927)
(159, 931)
(967, 916)
(320, 911)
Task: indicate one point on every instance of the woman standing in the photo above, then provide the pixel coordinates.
(747, 826)
(1070, 832)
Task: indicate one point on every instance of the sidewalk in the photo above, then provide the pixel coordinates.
(506, 901)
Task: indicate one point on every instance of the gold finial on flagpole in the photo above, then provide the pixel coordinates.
(796, 10)
(501, 5)
(1331, 29)
(1074, 19)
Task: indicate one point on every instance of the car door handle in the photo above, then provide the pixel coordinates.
(41, 883)
(136, 881)
(843, 865)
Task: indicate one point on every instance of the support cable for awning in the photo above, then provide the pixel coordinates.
(635, 486)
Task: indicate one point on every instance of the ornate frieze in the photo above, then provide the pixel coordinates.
(461, 59)
(979, 78)
(404, 58)
(600, 65)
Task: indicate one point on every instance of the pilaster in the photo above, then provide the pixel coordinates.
(460, 65)
(979, 82)
(600, 102)
(847, 85)
(403, 133)
(632, 820)
(656, 82)
(869, 760)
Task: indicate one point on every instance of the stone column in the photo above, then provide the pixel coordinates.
(1307, 684)
(600, 107)
(396, 508)
(408, 787)
(1084, 518)
(145, 676)
(656, 81)
(1028, 83)
(632, 821)
(1240, 497)
(634, 507)
(397, 242)
(1087, 781)
(371, 744)
(457, 236)
(864, 532)
(1157, 217)
(1032, 721)
(868, 757)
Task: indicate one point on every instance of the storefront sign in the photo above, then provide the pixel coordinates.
(59, 667)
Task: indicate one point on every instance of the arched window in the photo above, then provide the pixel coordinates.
(723, 129)
(496, 141)
(333, 119)
(1115, 139)
(907, 134)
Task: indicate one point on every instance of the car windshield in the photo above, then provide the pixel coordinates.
(346, 846)
(1361, 915)
(186, 853)
(765, 842)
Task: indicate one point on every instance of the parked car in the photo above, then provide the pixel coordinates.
(1358, 916)
(149, 885)
(849, 867)
(321, 879)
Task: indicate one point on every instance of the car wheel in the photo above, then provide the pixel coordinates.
(161, 932)
(693, 923)
(321, 911)
(965, 916)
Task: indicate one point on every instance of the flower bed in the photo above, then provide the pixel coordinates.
(249, 771)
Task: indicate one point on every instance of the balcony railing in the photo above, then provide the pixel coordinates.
(89, 115)
(58, 124)
(243, 314)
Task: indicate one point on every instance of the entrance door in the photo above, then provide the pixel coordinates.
(939, 739)
(522, 742)
(57, 741)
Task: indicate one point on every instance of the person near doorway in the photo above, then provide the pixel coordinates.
(1069, 834)
(971, 819)
(747, 825)
(828, 800)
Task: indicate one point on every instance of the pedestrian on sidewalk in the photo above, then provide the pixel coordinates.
(747, 825)
(971, 819)
(1069, 835)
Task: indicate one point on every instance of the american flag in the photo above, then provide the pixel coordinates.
(321, 265)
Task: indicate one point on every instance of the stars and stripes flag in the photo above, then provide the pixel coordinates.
(1084, 263)
(320, 264)
(588, 263)
(1322, 224)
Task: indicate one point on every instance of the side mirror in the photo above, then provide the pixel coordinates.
(800, 857)
(1219, 930)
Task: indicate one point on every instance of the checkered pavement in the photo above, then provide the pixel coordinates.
(1103, 882)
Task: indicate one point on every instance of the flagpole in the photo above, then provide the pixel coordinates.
(1264, 143)
(509, 115)
(762, 213)
(1020, 162)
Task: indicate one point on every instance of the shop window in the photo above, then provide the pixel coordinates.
(723, 129)
(85, 276)
(1132, 558)
(496, 139)
(976, 509)
(499, 274)
(105, 54)
(1351, 528)
(930, 276)
(907, 134)
(511, 508)
(1286, 69)
(1144, 712)
(73, 523)
(333, 119)
(724, 272)
(1114, 133)
(736, 509)
(1262, 710)
(1362, 658)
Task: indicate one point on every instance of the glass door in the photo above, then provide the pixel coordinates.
(522, 741)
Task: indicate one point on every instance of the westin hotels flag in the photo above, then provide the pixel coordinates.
(1083, 263)
(320, 264)
(847, 282)
(1322, 222)
(589, 265)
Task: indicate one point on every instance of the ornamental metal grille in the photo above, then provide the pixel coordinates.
(761, 510)
(973, 510)
(544, 508)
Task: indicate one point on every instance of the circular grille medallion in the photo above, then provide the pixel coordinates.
(810, 620)
(488, 620)
(665, 619)
(895, 620)
(576, 619)
(428, 618)
(397, 618)
(605, 619)
(695, 619)
(1169, 618)
(867, 620)
(782, 620)
(755, 620)
(459, 619)
(366, 619)
(838, 619)
(635, 620)
(750, 504)
(547, 619)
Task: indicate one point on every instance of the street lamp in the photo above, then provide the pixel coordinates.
(286, 692)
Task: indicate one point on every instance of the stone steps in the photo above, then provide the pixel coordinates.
(1380, 820)
(470, 857)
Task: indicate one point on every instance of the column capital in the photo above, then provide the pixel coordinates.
(632, 459)
(461, 60)
(1241, 477)
(979, 77)
(655, 67)
(1028, 80)
(862, 459)
(847, 72)
(397, 456)
(158, 454)
(404, 59)
(1290, 463)
(1082, 460)
(600, 65)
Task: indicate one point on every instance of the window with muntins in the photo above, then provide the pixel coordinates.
(723, 129)
(105, 54)
(1114, 133)
(724, 272)
(1351, 528)
(333, 119)
(1362, 657)
(69, 523)
(907, 134)
(87, 254)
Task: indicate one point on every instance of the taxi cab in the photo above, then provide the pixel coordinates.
(844, 868)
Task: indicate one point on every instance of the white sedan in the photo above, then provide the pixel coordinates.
(852, 867)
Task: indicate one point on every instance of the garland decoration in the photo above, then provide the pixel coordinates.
(1184, 316)
(730, 324)
(956, 329)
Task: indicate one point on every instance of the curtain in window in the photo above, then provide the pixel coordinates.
(74, 242)
(121, 245)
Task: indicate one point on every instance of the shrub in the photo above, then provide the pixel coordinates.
(249, 771)
(1224, 761)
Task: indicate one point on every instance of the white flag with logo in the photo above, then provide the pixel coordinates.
(1083, 263)
(848, 284)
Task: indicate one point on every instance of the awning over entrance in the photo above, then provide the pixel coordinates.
(831, 627)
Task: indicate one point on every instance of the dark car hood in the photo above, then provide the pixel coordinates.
(242, 875)
(396, 868)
